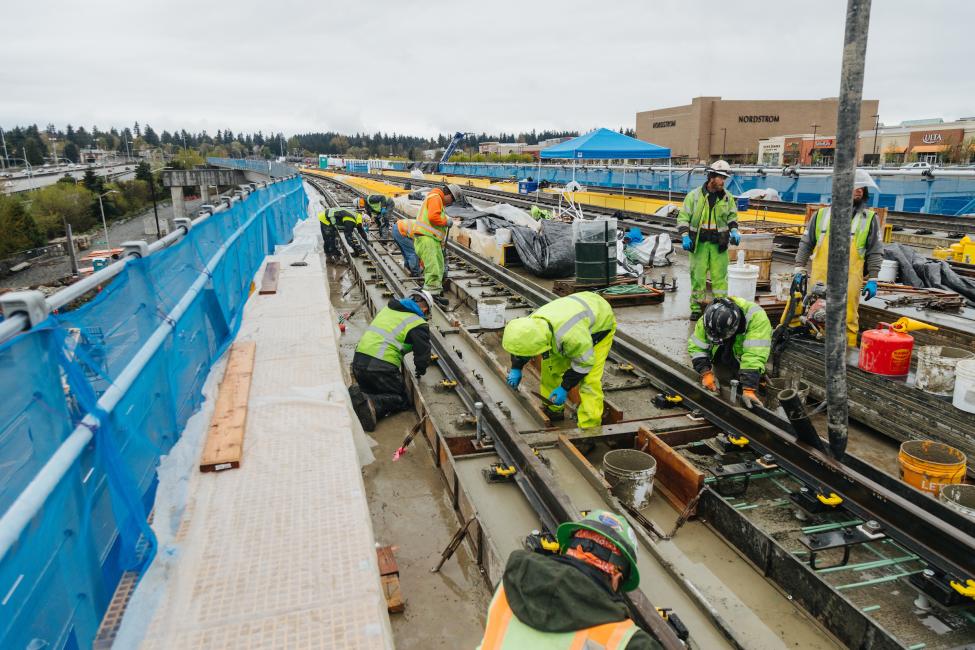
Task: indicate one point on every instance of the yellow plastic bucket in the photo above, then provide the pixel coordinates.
(927, 465)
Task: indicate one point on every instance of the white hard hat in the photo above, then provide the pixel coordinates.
(425, 296)
(862, 179)
(456, 192)
(721, 168)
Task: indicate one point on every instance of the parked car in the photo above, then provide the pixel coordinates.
(918, 165)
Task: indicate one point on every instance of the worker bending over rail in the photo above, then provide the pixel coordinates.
(737, 334)
(379, 207)
(866, 246)
(398, 329)
(574, 335)
(429, 235)
(401, 236)
(707, 222)
(572, 599)
(330, 235)
(348, 221)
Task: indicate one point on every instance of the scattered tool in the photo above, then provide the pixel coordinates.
(675, 623)
(344, 318)
(542, 542)
(301, 262)
(499, 473)
(663, 285)
(667, 400)
(445, 385)
(454, 543)
(408, 439)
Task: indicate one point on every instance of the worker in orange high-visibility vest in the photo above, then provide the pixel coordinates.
(429, 234)
(572, 599)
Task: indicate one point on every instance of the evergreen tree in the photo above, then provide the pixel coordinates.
(93, 182)
(137, 130)
(142, 172)
(149, 135)
(18, 231)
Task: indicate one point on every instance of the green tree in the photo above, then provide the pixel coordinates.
(93, 182)
(69, 179)
(149, 135)
(18, 231)
(71, 152)
(142, 172)
(186, 159)
(53, 204)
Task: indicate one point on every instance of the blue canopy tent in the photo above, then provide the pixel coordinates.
(605, 144)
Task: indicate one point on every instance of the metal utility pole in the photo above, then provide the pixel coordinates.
(155, 210)
(101, 207)
(4, 141)
(724, 141)
(69, 242)
(876, 131)
(838, 261)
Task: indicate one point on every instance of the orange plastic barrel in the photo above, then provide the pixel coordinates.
(927, 465)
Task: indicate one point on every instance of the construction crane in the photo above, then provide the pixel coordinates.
(448, 152)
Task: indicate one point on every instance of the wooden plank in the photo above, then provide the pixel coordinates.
(269, 283)
(387, 562)
(394, 598)
(680, 480)
(225, 437)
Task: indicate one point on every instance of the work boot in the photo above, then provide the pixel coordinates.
(363, 407)
(555, 416)
(442, 301)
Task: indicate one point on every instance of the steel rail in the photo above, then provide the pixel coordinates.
(536, 481)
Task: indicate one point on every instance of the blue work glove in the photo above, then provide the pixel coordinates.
(514, 377)
(558, 396)
(735, 236)
(869, 289)
(798, 274)
(686, 242)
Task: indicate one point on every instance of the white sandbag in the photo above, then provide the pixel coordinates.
(416, 173)
(654, 250)
(761, 193)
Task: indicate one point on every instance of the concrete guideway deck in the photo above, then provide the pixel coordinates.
(280, 553)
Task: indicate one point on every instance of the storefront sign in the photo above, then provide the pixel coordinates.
(823, 143)
(754, 119)
(941, 137)
(771, 147)
(665, 124)
(932, 138)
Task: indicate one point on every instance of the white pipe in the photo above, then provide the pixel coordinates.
(29, 502)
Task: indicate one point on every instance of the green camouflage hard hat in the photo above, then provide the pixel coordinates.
(614, 528)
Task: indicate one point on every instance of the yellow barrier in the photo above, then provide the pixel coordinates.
(366, 184)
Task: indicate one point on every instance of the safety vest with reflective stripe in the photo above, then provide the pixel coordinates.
(573, 320)
(751, 348)
(859, 227)
(505, 632)
(697, 211)
(423, 225)
(376, 203)
(385, 338)
(337, 215)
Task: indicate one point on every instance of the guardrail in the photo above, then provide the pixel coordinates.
(95, 394)
(266, 167)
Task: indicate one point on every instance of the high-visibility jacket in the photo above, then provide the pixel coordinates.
(406, 227)
(338, 216)
(697, 214)
(433, 220)
(573, 322)
(505, 632)
(385, 338)
(751, 348)
(323, 216)
(859, 228)
(376, 203)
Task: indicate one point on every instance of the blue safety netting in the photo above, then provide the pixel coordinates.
(58, 578)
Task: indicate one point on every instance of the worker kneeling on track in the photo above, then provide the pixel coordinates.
(737, 334)
(574, 335)
(348, 221)
(429, 235)
(573, 599)
(398, 329)
(866, 247)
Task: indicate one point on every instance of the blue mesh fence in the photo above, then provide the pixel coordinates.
(174, 311)
(266, 167)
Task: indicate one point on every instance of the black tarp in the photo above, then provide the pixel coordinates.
(922, 272)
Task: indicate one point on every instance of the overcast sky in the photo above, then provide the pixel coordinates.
(436, 67)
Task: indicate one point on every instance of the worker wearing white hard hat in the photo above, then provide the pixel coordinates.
(866, 249)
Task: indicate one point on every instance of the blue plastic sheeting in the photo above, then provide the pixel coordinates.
(266, 167)
(949, 196)
(604, 144)
(57, 581)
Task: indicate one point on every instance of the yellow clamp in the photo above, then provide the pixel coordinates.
(448, 383)
(738, 442)
(967, 590)
(625, 366)
(550, 545)
(664, 612)
(434, 357)
(832, 500)
(505, 471)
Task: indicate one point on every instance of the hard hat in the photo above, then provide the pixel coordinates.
(360, 202)
(418, 295)
(527, 337)
(721, 168)
(614, 528)
(456, 192)
(862, 179)
(722, 319)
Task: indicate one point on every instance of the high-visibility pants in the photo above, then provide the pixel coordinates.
(430, 252)
(706, 259)
(590, 410)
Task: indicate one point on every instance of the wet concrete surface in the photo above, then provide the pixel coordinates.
(411, 511)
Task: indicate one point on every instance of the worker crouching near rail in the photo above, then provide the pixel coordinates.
(379, 207)
(707, 222)
(866, 246)
(574, 335)
(429, 235)
(573, 599)
(398, 329)
(737, 334)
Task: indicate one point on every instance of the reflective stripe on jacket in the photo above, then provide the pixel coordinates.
(432, 220)
(696, 212)
(574, 320)
(338, 216)
(859, 228)
(505, 632)
(385, 338)
(751, 348)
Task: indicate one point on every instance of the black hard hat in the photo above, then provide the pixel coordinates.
(722, 319)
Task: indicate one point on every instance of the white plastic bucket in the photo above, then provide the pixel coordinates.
(630, 473)
(503, 236)
(490, 313)
(964, 396)
(742, 279)
(959, 497)
(888, 271)
(781, 282)
(936, 368)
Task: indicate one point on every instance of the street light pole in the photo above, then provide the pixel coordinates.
(724, 141)
(815, 128)
(876, 131)
(4, 141)
(101, 207)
